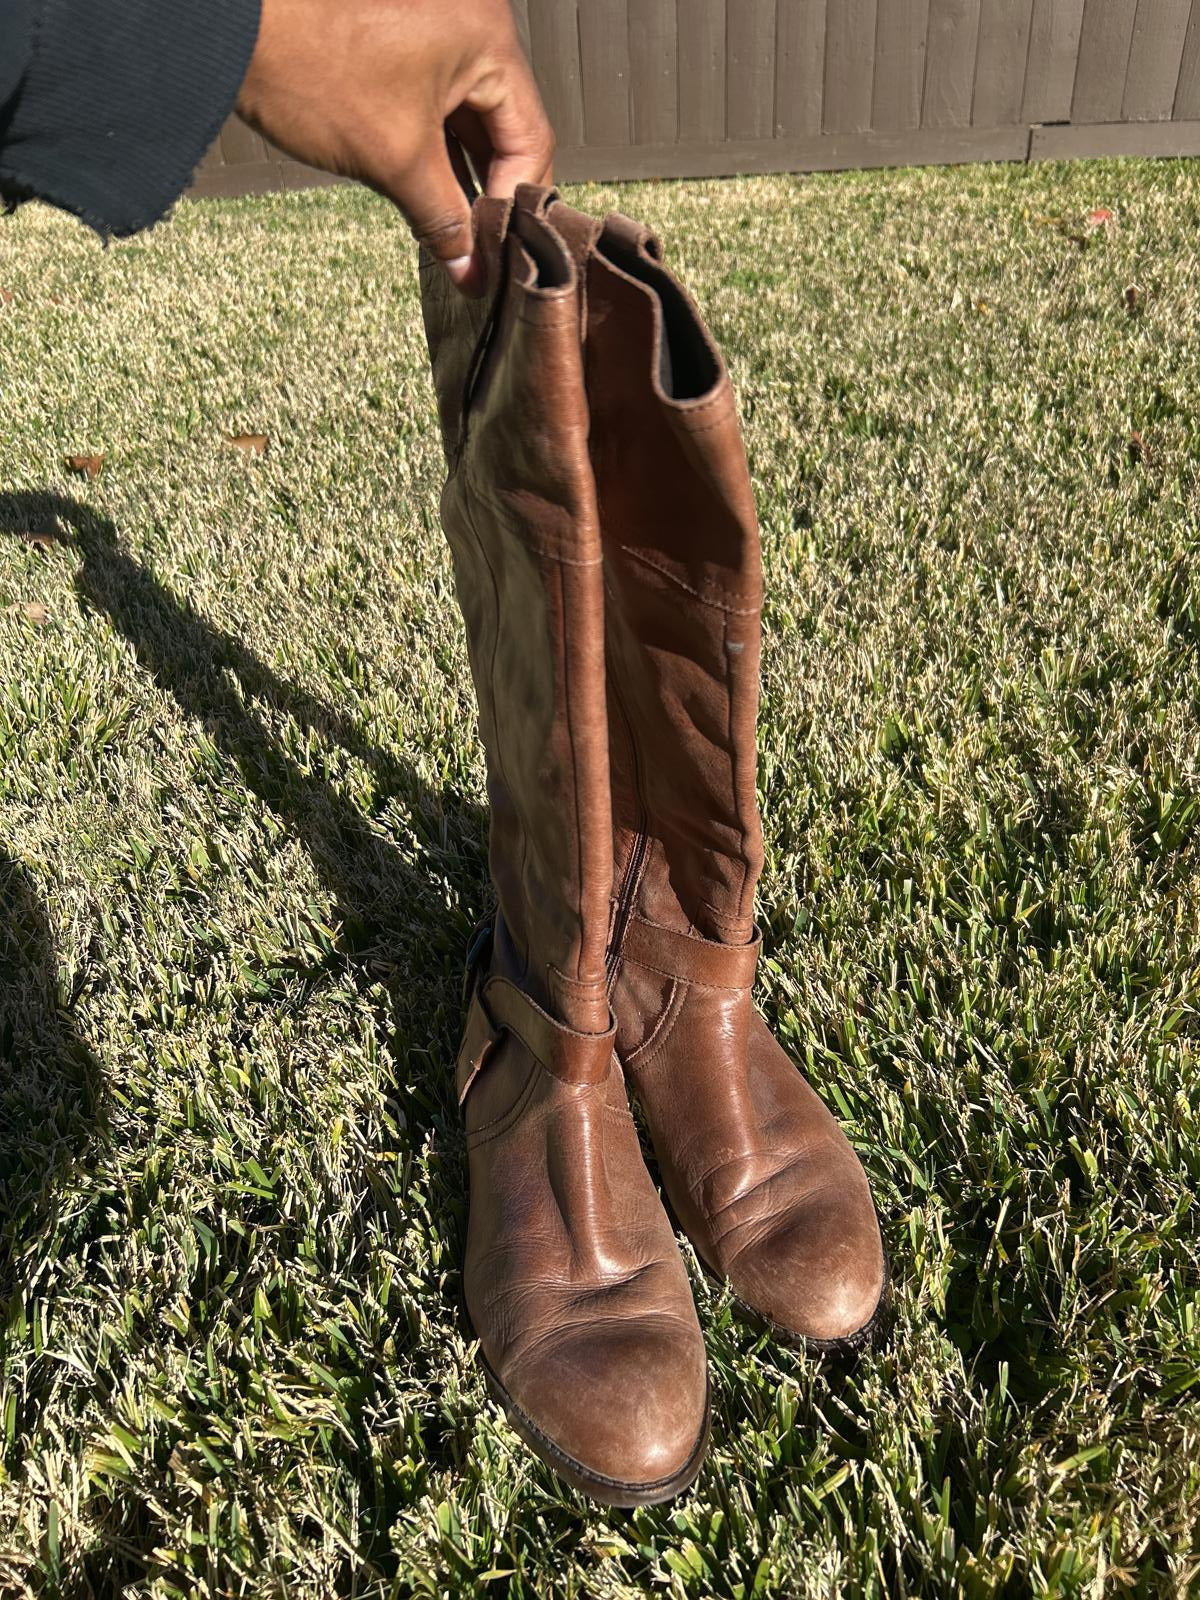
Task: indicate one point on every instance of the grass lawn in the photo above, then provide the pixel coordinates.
(242, 846)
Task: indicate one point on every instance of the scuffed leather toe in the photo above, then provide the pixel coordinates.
(758, 1173)
(817, 1271)
(643, 1434)
(574, 1283)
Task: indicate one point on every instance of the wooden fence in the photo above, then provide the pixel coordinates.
(695, 88)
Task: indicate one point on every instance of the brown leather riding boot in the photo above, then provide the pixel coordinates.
(573, 1279)
(758, 1173)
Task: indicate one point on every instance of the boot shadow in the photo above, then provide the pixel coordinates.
(390, 913)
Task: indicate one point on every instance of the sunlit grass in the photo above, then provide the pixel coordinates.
(242, 847)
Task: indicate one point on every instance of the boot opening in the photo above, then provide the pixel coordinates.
(549, 266)
(688, 366)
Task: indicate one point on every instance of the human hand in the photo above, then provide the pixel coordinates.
(380, 90)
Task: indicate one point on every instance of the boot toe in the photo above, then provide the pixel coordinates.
(818, 1272)
(622, 1411)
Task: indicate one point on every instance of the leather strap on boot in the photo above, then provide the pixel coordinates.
(687, 956)
(499, 1007)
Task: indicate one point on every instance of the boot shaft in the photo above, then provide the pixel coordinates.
(519, 512)
(683, 587)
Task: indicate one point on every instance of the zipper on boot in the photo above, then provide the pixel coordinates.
(632, 879)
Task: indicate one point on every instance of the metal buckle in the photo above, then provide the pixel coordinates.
(478, 951)
(477, 1045)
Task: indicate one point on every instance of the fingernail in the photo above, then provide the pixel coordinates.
(459, 267)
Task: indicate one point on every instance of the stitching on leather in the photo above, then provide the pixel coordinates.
(565, 634)
(733, 922)
(622, 1117)
(526, 544)
(721, 916)
(717, 605)
(652, 1047)
(493, 1129)
(573, 1033)
(499, 1126)
(722, 395)
(491, 681)
(710, 427)
(692, 983)
(735, 763)
(573, 984)
(545, 321)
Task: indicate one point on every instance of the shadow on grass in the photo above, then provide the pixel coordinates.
(387, 918)
(401, 921)
(51, 1119)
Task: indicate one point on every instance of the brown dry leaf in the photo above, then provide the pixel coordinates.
(32, 610)
(251, 444)
(85, 466)
(1133, 296)
(1137, 447)
(6, 297)
(39, 541)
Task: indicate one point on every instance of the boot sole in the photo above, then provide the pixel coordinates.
(606, 1491)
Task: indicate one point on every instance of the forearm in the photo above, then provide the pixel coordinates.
(106, 106)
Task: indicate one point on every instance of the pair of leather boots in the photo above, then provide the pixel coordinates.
(602, 524)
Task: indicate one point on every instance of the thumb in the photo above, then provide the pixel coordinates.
(430, 194)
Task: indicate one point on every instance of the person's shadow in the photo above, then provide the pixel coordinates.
(407, 920)
(51, 1105)
(402, 915)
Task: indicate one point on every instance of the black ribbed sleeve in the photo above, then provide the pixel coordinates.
(106, 106)
(16, 45)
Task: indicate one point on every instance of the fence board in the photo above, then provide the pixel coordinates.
(1187, 93)
(604, 70)
(1104, 41)
(849, 66)
(521, 14)
(799, 66)
(653, 72)
(1155, 56)
(239, 142)
(1000, 62)
(819, 153)
(1071, 142)
(673, 88)
(702, 69)
(1053, 50)
(899, 65)
(258, 177)
(554, 36)
(750, 66)
(950, 63)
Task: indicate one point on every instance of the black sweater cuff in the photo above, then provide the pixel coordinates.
(119, 101)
